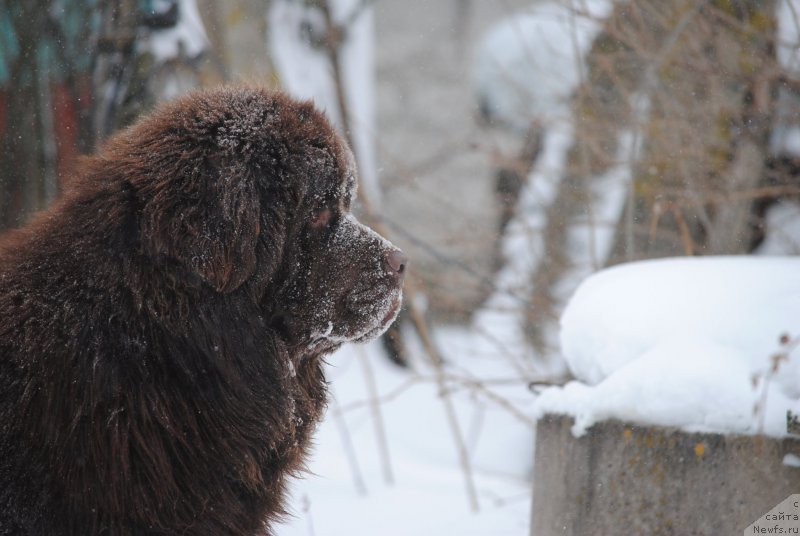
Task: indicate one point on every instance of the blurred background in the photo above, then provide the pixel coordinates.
(510, 147)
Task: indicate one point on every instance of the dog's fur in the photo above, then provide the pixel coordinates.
(162, 324)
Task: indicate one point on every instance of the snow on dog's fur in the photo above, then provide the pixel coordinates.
(162, 324)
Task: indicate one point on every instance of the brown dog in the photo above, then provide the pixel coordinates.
(162, 325)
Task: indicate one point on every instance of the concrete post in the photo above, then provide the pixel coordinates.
(628, 479)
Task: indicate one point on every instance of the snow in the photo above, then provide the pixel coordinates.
(306, 73)
(528, 65)
(785, 137)
(527, 69)
(187, 39)
(304, 70)
(658, 388)
(791, 460)
(683, 342)
(788, 36)
(501, 317)
(782, 235)
(349, 493)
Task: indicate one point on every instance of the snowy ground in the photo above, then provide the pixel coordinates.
(348, 492)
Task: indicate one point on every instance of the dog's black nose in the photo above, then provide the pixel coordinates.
(396, 261)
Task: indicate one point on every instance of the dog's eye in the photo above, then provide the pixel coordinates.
(322, 218)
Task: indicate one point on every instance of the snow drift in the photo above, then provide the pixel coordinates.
(702, 344)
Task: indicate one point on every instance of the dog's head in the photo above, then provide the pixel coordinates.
(247, 193)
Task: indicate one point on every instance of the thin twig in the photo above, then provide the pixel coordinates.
(347, 445)
(451, 261)
(357, 12)
(640, 106)
(452, 418)
(335, 35)
(686, 234)
(479, 387)
(389, 397)
(306, 505)
(405, 386)
(377, 417)
(789, 346)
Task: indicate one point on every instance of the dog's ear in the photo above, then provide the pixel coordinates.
(208, 220)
